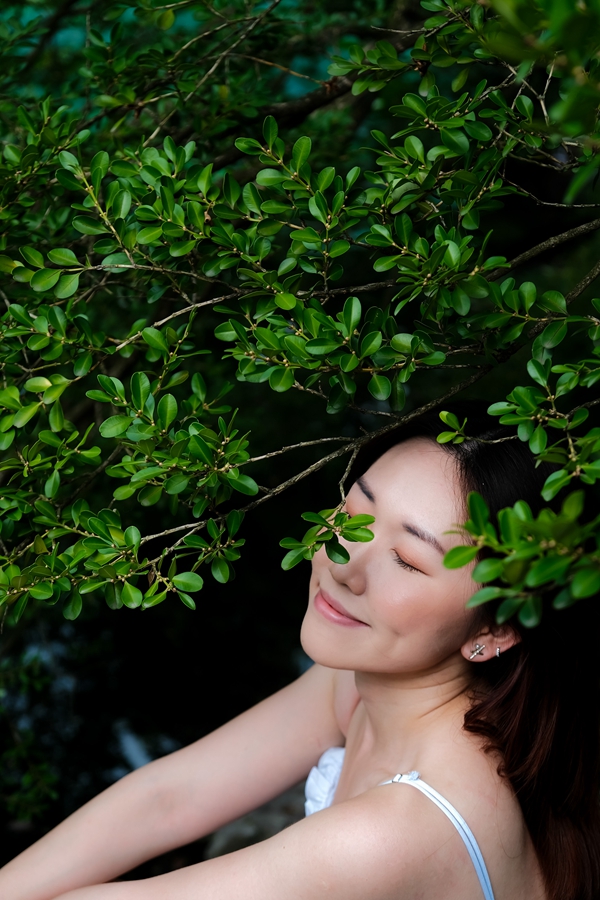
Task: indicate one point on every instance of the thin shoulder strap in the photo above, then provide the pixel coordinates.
(459, 823)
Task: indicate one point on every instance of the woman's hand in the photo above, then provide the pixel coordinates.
(183, 796)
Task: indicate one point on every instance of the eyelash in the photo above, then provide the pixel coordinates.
(404, 564)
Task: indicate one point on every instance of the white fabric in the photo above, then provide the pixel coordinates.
(323, 781)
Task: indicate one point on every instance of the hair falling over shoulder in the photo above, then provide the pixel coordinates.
(538, 705)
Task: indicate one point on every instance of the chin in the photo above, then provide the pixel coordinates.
(324, 646)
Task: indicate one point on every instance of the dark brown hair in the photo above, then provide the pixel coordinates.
(538, 706)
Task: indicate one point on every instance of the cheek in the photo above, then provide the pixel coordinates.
(410, 603)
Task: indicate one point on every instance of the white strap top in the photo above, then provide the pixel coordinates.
(323, 781)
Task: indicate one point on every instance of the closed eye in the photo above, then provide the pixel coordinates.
(404, 564)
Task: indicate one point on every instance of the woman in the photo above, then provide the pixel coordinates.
(409, 681)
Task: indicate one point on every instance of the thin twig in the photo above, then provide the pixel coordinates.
(547, 202)
(548, 244)
(213, 68)
(296, 447)
(266, 62)
(356, 443)
(178, 312)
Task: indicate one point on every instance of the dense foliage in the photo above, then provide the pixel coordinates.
(167, 196)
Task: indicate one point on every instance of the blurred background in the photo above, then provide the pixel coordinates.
(85, 702)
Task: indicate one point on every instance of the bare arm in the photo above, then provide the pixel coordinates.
(183, 796)
(372, 847)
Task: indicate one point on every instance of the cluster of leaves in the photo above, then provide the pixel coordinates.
(551, 555)
(118, 254)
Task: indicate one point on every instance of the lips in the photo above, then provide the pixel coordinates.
(333, 610)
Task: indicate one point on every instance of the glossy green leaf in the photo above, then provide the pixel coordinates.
(45, 279)
(188, 581)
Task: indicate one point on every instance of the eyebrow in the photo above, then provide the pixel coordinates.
(417, 532)
(426, 536)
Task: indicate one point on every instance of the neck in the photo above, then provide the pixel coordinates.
(405, 711)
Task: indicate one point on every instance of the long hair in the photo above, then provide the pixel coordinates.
(538, 706)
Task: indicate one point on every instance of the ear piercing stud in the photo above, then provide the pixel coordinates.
(478, 651)
(498, 652)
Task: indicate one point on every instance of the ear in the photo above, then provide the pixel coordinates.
(484, 645)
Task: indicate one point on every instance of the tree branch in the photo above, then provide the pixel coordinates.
(548, 244)
(52, 25)
(349, 447)
(583, 284)
(288, 114)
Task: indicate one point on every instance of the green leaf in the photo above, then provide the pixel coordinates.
(538, 440)
(166, 20)
(414, 147)
(281, 379)
(186, 600)
(121, 205)
(52, 485)
(270, 131)
(33, 257)
(553, 334)
(131, 596)
(292, 558)
(455, 140)
(487, 570)
(285, 301)
(37, 385)
(182, 248)
(9, 398)
(322, 346)
(530, 612)
(301, 151)
(132, 537)
(554, 483)
(188, 581)
(72, 609)
(67, 286)
(336, 552)
(150, 234)
(338, 248)
(484, 595)
(370, 344)
(167, 410)
(115, 426)
(479, 131)
(25, 414)
(460, 556)
(155, 339)
(380, 387)
(86, 225)
(45, 279)
(220, 570)
(56, 419)
(245, 485)
(586, 582)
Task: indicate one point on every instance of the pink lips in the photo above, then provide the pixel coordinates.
(333, 610)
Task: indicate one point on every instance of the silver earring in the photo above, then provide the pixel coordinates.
(479, 648)
(498, 652)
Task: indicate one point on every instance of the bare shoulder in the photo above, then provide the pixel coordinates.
(384, 844)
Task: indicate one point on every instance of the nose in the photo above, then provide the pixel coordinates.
(352, 574)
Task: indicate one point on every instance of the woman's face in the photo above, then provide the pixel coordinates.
(394, 608)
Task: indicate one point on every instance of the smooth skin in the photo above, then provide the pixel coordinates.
(391, 684)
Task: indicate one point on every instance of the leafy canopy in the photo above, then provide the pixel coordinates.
(166, 210)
